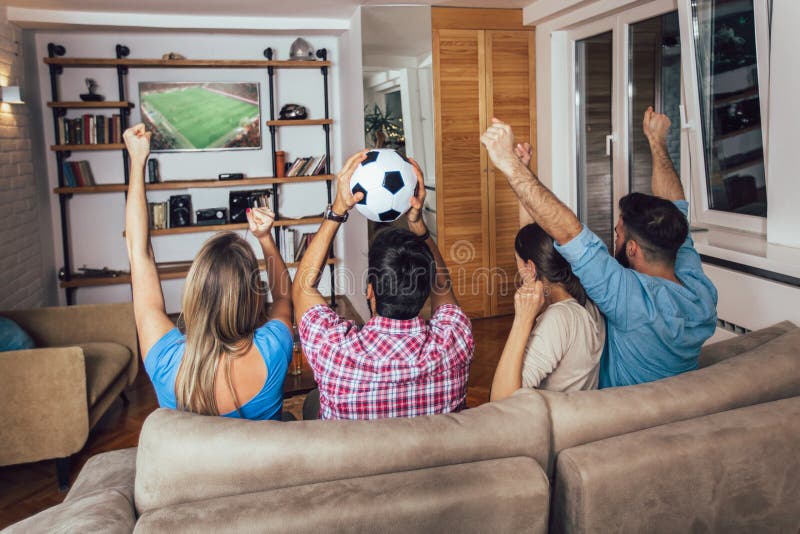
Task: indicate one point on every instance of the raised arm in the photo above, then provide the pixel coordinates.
(304, 291)
(152, 321)
(278, 280)
(528, 302)
(442, 290)
(549, 212)
(665, 182)
(524, 151)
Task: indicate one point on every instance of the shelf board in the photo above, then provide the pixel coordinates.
(744, 95)
(191, 184)
(304, 122)
(737, 132)
(231, 226)
(111, 104)
(165, 272)
(84, 148)
(183, 63)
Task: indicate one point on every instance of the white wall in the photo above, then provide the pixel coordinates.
(97, 221)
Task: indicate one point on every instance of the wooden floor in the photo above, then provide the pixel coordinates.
(29, 488)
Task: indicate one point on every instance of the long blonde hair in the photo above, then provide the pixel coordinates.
(223, 304)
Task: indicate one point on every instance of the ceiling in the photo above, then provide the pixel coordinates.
(396, 30)
(337, 9)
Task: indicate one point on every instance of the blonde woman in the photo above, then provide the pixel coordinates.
(231, 360)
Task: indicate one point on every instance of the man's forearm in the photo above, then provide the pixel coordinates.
(310, 267)
(550, 213)
(665, 182)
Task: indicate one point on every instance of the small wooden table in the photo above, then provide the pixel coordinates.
(299, 384)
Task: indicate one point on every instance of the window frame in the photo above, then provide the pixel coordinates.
(701, 213)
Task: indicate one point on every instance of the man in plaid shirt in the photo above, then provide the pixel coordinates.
(397, 365)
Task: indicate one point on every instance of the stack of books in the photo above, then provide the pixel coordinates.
(78, 174)
(308, 166)
(295, 243)
(89, 130)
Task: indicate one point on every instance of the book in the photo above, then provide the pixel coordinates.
(295, 167)
(86, 172)
(309, 164)
(321, 167)
(288, 244)
(69, 178)
(302, 245)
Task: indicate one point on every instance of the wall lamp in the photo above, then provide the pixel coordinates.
(10, 95)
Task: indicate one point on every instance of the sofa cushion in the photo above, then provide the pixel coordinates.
(735, 471)
(768, 372)
(13, 337)
(508, 495)
(107, 511)
(109, 470)
(231, 456)
(105, 361)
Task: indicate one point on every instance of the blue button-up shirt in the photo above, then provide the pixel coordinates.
(655, 327)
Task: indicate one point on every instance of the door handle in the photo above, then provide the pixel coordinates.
(609, 140)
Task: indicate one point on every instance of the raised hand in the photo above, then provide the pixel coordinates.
(499, 142)
(137, 141)
(529, 300)
(345, 199)
(260, 221)
(524, 151)
(655, 126)
(415, 222)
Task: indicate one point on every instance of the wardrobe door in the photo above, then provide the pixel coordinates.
(510, 90)
(461, 185)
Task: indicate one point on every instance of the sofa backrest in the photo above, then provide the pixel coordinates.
(61, 326)
(722, 350)
(184, 457)
(768, 372)
(735, 471)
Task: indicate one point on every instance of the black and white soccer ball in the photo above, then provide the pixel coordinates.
(388, 181)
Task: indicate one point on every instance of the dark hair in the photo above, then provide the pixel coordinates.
(656, 224)
(533, 243)
(401, 271)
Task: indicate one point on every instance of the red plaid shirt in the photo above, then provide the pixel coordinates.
(390, 367)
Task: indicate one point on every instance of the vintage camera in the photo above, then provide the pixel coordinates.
(180, 210)
(211, 216)
(239, 201)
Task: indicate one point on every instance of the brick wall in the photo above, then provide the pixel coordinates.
(21, 246)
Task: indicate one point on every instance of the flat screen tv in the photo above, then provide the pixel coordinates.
(185, 116)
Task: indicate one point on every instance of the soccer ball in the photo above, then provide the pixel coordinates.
(387, 180)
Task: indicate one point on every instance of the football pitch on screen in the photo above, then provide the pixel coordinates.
(202, 118)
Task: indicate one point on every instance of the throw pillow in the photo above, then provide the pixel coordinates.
(12, 337)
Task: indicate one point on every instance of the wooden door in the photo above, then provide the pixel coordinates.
(510, 89)
(461, 185)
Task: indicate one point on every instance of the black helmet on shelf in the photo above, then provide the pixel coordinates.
(293, 112)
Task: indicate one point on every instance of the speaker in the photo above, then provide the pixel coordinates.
(239, 201)
(180, 210)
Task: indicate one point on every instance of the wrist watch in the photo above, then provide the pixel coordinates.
(333, 216)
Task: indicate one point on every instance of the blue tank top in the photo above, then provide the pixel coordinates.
(273, 341)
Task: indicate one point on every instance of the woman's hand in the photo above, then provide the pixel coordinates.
(137, 141)
(345, 199)
(260, 220)
(529, 300)
(415, 222)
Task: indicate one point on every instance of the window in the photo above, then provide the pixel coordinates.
(726, 59)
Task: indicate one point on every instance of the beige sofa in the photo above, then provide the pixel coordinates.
(709, 451)
(52, 395)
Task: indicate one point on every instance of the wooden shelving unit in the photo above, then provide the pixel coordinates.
(167, 272)
(122, 63)
(117, 104)
(303, 122)
(87, 148)
(171, 185)
(183, 63)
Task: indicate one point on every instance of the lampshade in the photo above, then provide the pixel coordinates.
(10, 95)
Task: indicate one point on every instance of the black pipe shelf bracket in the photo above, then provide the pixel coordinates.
(322, 54)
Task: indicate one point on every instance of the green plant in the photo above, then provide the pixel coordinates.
(378, 125)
